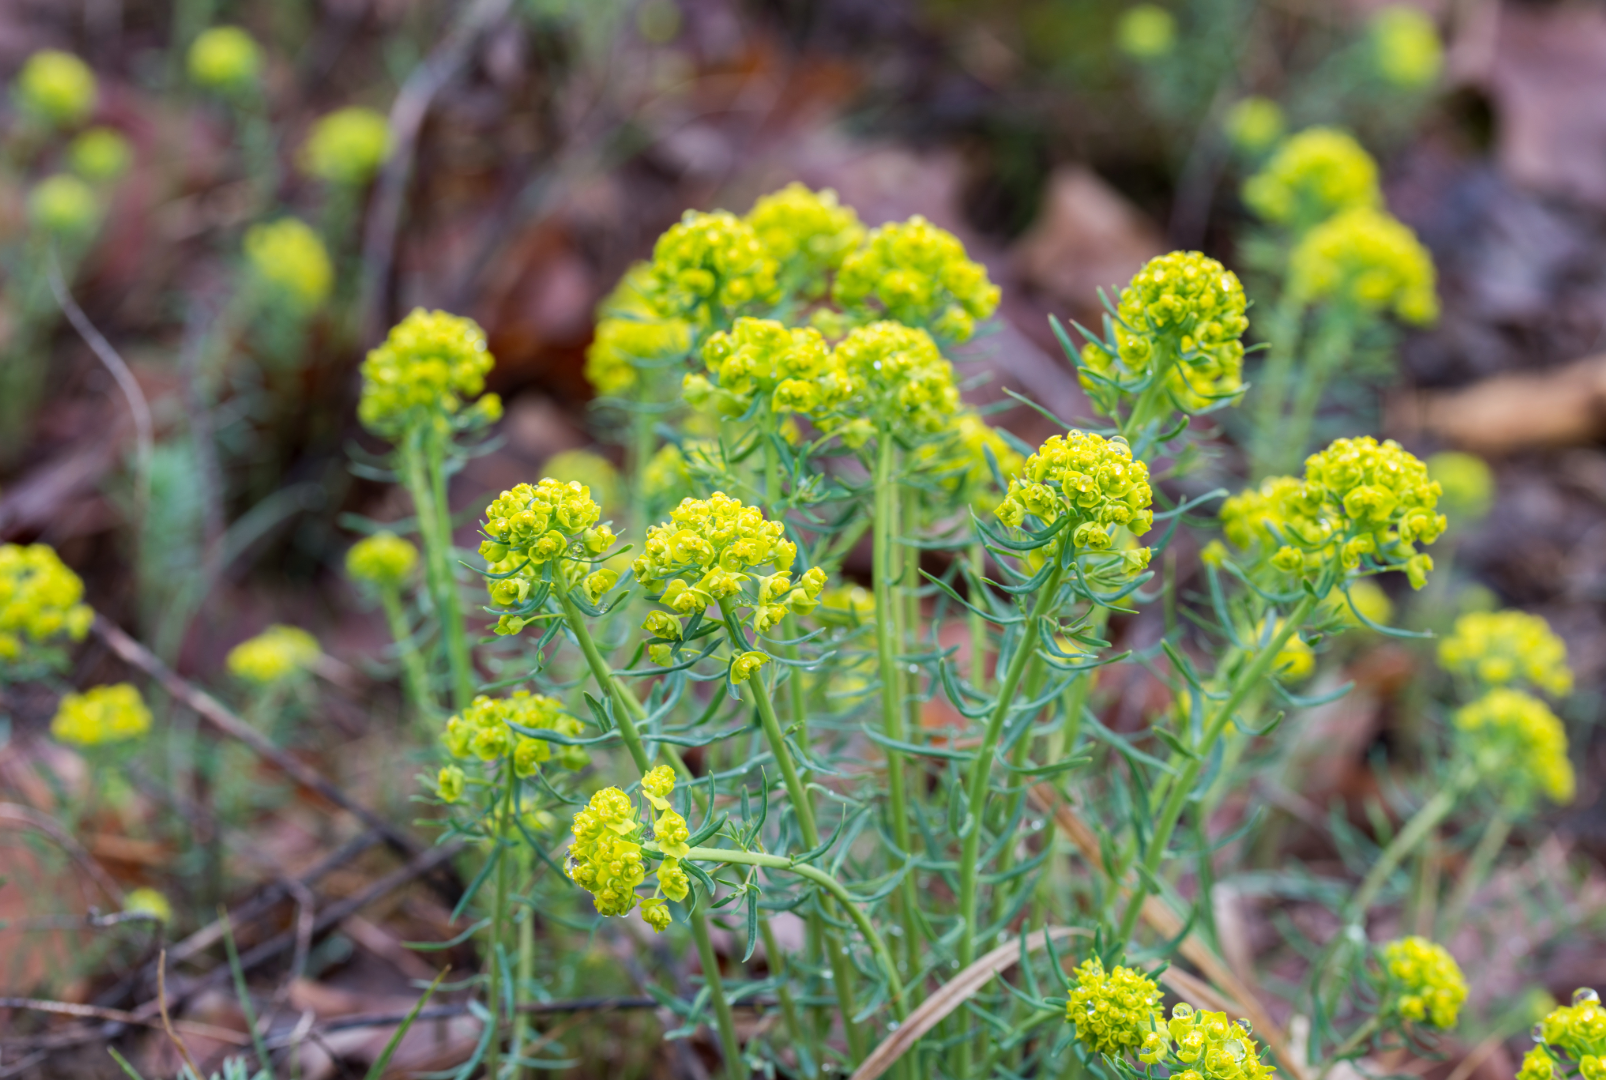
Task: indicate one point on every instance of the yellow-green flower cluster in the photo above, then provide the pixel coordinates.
(1467, 481)
(1578, 1031)
(809, 234)
(1359, 499)
(424, 372)
(347, 146)
(919, 275)
(40, 599)
(791, 369)
(532, 525)
(710, 267)
(1368, 259)
(1254, 124)
(100, 155)
(1507, 648)
(383, 560)
(1405, 46)
(149, 902)
(224, 59)
(1090, 479)
(1185, 312)
(289, 257)
(632, 335)
(1146, 32)
(278, 653)
(605, 858)
(1114, 1011)
(484, 731)
(704, 554)
(1314, 175)
(101, 715)
(56, 87)
(63, 205)
(1519, 745)
(1425, 985)
(1205, 1046)
(899, 380)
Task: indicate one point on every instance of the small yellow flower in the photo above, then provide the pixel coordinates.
(1206, 1046)
(290, 259)
(225, 59)
(809, 234)
(746, 665)
(41, 600)
(897, 378)
(635, 341)
(791, 370)
(384, 560)
(1425, 982)
(150, 902)
(483, 731)
(1520, 745)
(347, 147)
(427, 370)
(1405, 46)
(655, 913)
(1146, 32)
(604, 859)
(1314, 175)
(1537, 1064)
(919, 275)
(711, 265)
(101, 715)
(57, 88)
(1578, 1030)
(63, 205)
(1508, 648)
(1088, 478)
(1366, 258)
(100, 155)
(1114, 1012)
(657, 785)
(1254, 124)
(1184, 310)
(275, 655)
(672, 880)
(449, 784)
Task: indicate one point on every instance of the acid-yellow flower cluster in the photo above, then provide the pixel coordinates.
(1205, 1046)
(347, 146)
(1508, 648)
(57, 88)
(425, 372)
(484, 731)
(275, 655)
(1090, 479)
(1114, 1011)
(918, 275)
(1519, 745)
(1366, 258)
(532, 525)
(101, 715)
(291, 260)
(383, 560)
(1425, 984)
(1315, 174)
(40, 600)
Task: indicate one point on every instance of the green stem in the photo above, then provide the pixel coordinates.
(849, 902)
(1356, 1040)
(415, 677)
(981, 771)
(978, 622)
(426, 483)
(521, 988)
(1285, 325)
(1248, 681)
(499, 915)
(887, 645)
(1495, 831)
(1327, 353)
(628, 712)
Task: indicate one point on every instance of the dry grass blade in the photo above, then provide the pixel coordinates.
(953, 994)
(167, 1021)
(120, 1016)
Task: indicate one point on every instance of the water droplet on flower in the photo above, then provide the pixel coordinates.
(954, 964)
(1182, 1010)
(1037, 824)
(1538, 1033)
(1584, 996)
(1243, 1022)
(892, 1025)
(1233, 1049)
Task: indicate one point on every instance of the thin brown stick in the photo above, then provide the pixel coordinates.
(220, 717)
(119, 1016)
(167, 1022)
(27, 815)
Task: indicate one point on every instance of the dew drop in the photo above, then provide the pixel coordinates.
(1584, 996)
(1233, 1049)
(892, 1025)
(1538, 1033)
(1243, 1022)
(1182, 1010)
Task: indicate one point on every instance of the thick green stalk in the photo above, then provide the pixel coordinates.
(978, 622)
(981, 767)
(808, 1048)
(628, 712)
(415, 677)
(887, 645)
(499, 914)
(803, 807)
(1327, 353)
(426, 483)
(1249, 679)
